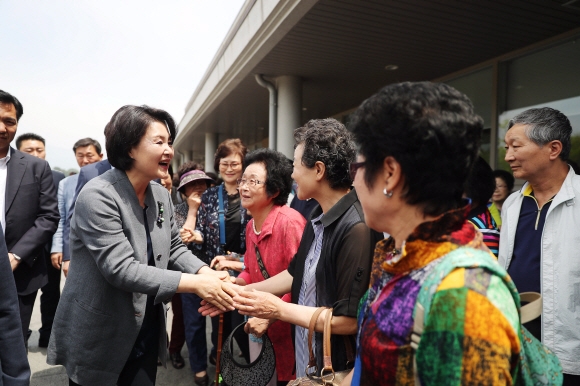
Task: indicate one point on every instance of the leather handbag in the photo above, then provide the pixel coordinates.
(327, 376)
(257, 373)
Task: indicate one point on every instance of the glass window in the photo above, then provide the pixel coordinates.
(478, 87)
(549, 78)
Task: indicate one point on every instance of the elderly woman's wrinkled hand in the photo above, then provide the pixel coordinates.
(209, 309)
(220, 263)
(258, 304)
(215, 291)
(225, 276)
(212, 310)
(257, 326)
(186, 235)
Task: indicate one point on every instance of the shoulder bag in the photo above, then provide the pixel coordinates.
(327, 376)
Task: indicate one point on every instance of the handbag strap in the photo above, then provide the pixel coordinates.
(312, 325)
(533, 309)
(221, 214)
(326, 346)
(261, 264)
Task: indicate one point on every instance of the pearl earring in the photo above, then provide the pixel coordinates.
(388, 194)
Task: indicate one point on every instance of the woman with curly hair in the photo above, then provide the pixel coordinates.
(272, 239)
(418, 143)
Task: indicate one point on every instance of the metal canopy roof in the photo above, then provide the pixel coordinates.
(340, 49)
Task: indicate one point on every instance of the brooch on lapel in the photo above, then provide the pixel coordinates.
(160, 218)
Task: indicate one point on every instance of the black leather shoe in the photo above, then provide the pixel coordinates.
(201, 381)
(177, 360)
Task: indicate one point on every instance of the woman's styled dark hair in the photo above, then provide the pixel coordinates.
(278, 173)
(328, 141)
(480, 183)
(126, 129)
(431, 130)
(506, 177)
(228, 147)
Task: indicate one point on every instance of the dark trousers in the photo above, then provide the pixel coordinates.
(194, 332)
(141, 371)
(231, 320)
(25, 305)
(177, 325)
(49, 301)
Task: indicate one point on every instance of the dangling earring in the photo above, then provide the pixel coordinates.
(388, 194)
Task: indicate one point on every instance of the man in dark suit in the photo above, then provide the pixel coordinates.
(35, 145)
(14, 368)
(87, 173)
(28, 210)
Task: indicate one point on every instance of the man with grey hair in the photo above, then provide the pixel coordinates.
(540, 234)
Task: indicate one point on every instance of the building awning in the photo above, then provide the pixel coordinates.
(340, 49)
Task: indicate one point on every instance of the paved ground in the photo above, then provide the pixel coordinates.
(46, 375)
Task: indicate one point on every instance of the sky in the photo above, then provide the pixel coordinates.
(72, 64)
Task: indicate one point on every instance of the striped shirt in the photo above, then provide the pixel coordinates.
(484, 222)
(308, 296)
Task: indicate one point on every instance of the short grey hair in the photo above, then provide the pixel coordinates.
(545, 125)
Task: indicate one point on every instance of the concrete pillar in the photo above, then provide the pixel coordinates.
(185, 156)
(289, 112)
(175, 162)
(211, 144)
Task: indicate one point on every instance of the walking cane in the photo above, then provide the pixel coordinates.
(219, 350)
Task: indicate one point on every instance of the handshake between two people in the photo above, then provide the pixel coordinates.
(264, 307)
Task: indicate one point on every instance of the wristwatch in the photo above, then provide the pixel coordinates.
(16, 256)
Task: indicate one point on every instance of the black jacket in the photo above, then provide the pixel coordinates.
(343, 271)
(31, 217)
(14, 369)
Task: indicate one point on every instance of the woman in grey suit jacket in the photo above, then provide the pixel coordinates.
(127, 259)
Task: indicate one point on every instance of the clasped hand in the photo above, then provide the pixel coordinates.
(214, 287)
(249, 302)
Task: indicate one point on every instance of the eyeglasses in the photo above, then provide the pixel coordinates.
(233, 165)
(252, 182)
(353, 167)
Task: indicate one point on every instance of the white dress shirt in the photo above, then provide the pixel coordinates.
(3, 176)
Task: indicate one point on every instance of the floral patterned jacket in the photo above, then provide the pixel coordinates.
(209, 227)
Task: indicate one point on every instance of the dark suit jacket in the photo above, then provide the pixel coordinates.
(14, 369)
(57, 177)
(31, 217)
(86, 174)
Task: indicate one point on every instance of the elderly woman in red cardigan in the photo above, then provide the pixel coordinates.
(272, 239)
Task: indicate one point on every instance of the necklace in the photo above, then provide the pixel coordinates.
(394, 256)
(254, 227)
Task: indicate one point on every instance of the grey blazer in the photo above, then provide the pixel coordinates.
(103, 303)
